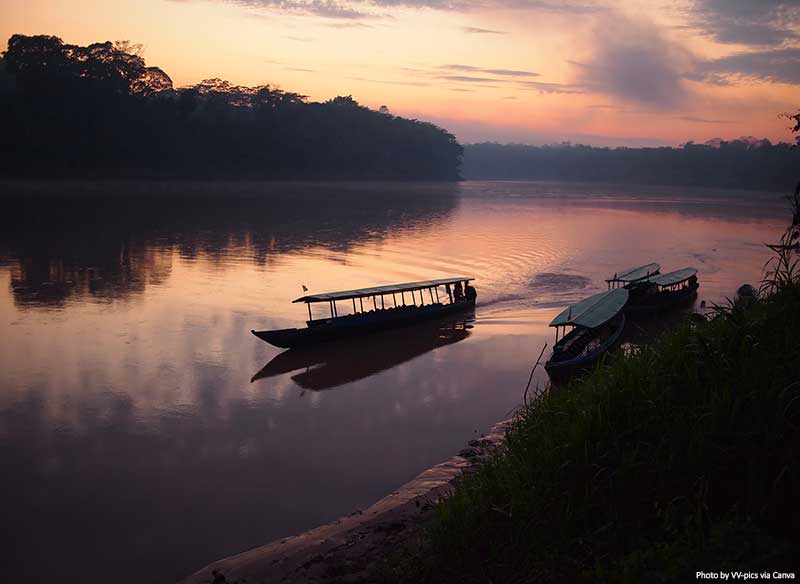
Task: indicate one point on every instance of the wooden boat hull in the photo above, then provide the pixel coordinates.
(322, 331)
(561, 369)
(661, 302)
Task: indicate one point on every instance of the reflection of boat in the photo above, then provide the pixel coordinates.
(331, 364)
(597, 323)
(626, 278)
(389, 310)
(663, 292)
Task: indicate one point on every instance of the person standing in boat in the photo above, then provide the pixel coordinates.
(469, 292)
(458, 292)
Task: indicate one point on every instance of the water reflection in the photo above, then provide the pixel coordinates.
(334, 364)
(690, 202)
(110, 240)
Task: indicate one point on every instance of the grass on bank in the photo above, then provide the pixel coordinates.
(678, 457)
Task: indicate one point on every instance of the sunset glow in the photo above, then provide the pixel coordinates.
(608, 73)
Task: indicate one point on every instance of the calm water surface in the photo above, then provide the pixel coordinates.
(139, 436)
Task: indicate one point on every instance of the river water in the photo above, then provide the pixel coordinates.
(139, 436)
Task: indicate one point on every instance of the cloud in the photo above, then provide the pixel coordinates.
(499, 72)
(475, 30)
(747, 22)
(542, 87)
(560, 6)
(704, 120)
(633, 61)
(564, 6)
(362, 9)
(776, 66)
(341, 25)
(486, 77)
(468, 79)
(326, 8)
(708, 76)
(390, 82)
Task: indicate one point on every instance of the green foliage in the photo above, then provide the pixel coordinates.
(783, 268)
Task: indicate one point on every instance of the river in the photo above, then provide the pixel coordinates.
(138, 441)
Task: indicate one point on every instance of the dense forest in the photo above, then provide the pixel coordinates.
(99, 110)
(744, 163)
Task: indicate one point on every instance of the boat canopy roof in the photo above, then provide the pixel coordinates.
(673, 278)
(378, 290)
(635, 274)
(593, 311)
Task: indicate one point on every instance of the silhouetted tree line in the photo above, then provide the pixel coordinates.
(100, 110)
(744, 164)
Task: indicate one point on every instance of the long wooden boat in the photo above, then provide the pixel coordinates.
(597, 323)
(390, 308)
(663, 292)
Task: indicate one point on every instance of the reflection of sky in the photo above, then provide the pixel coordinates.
(129, 417)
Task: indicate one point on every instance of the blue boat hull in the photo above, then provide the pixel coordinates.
(561, 367)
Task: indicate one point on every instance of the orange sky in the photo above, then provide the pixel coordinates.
(532, 71)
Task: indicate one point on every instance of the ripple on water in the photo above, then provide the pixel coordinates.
(555, 288)
(548, 281)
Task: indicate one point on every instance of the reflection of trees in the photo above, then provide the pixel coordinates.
(110, 240)
(113, 272)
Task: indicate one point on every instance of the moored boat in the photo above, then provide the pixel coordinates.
(631, 276)
(662, 292)
(389, 310)
(597, 323)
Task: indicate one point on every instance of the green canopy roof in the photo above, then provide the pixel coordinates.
(673, 278)
(634, 274)
(593, 311)
(378, 290)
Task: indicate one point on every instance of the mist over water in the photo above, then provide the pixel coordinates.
(145, 432)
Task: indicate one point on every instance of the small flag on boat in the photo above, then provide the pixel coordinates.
(304, 288)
